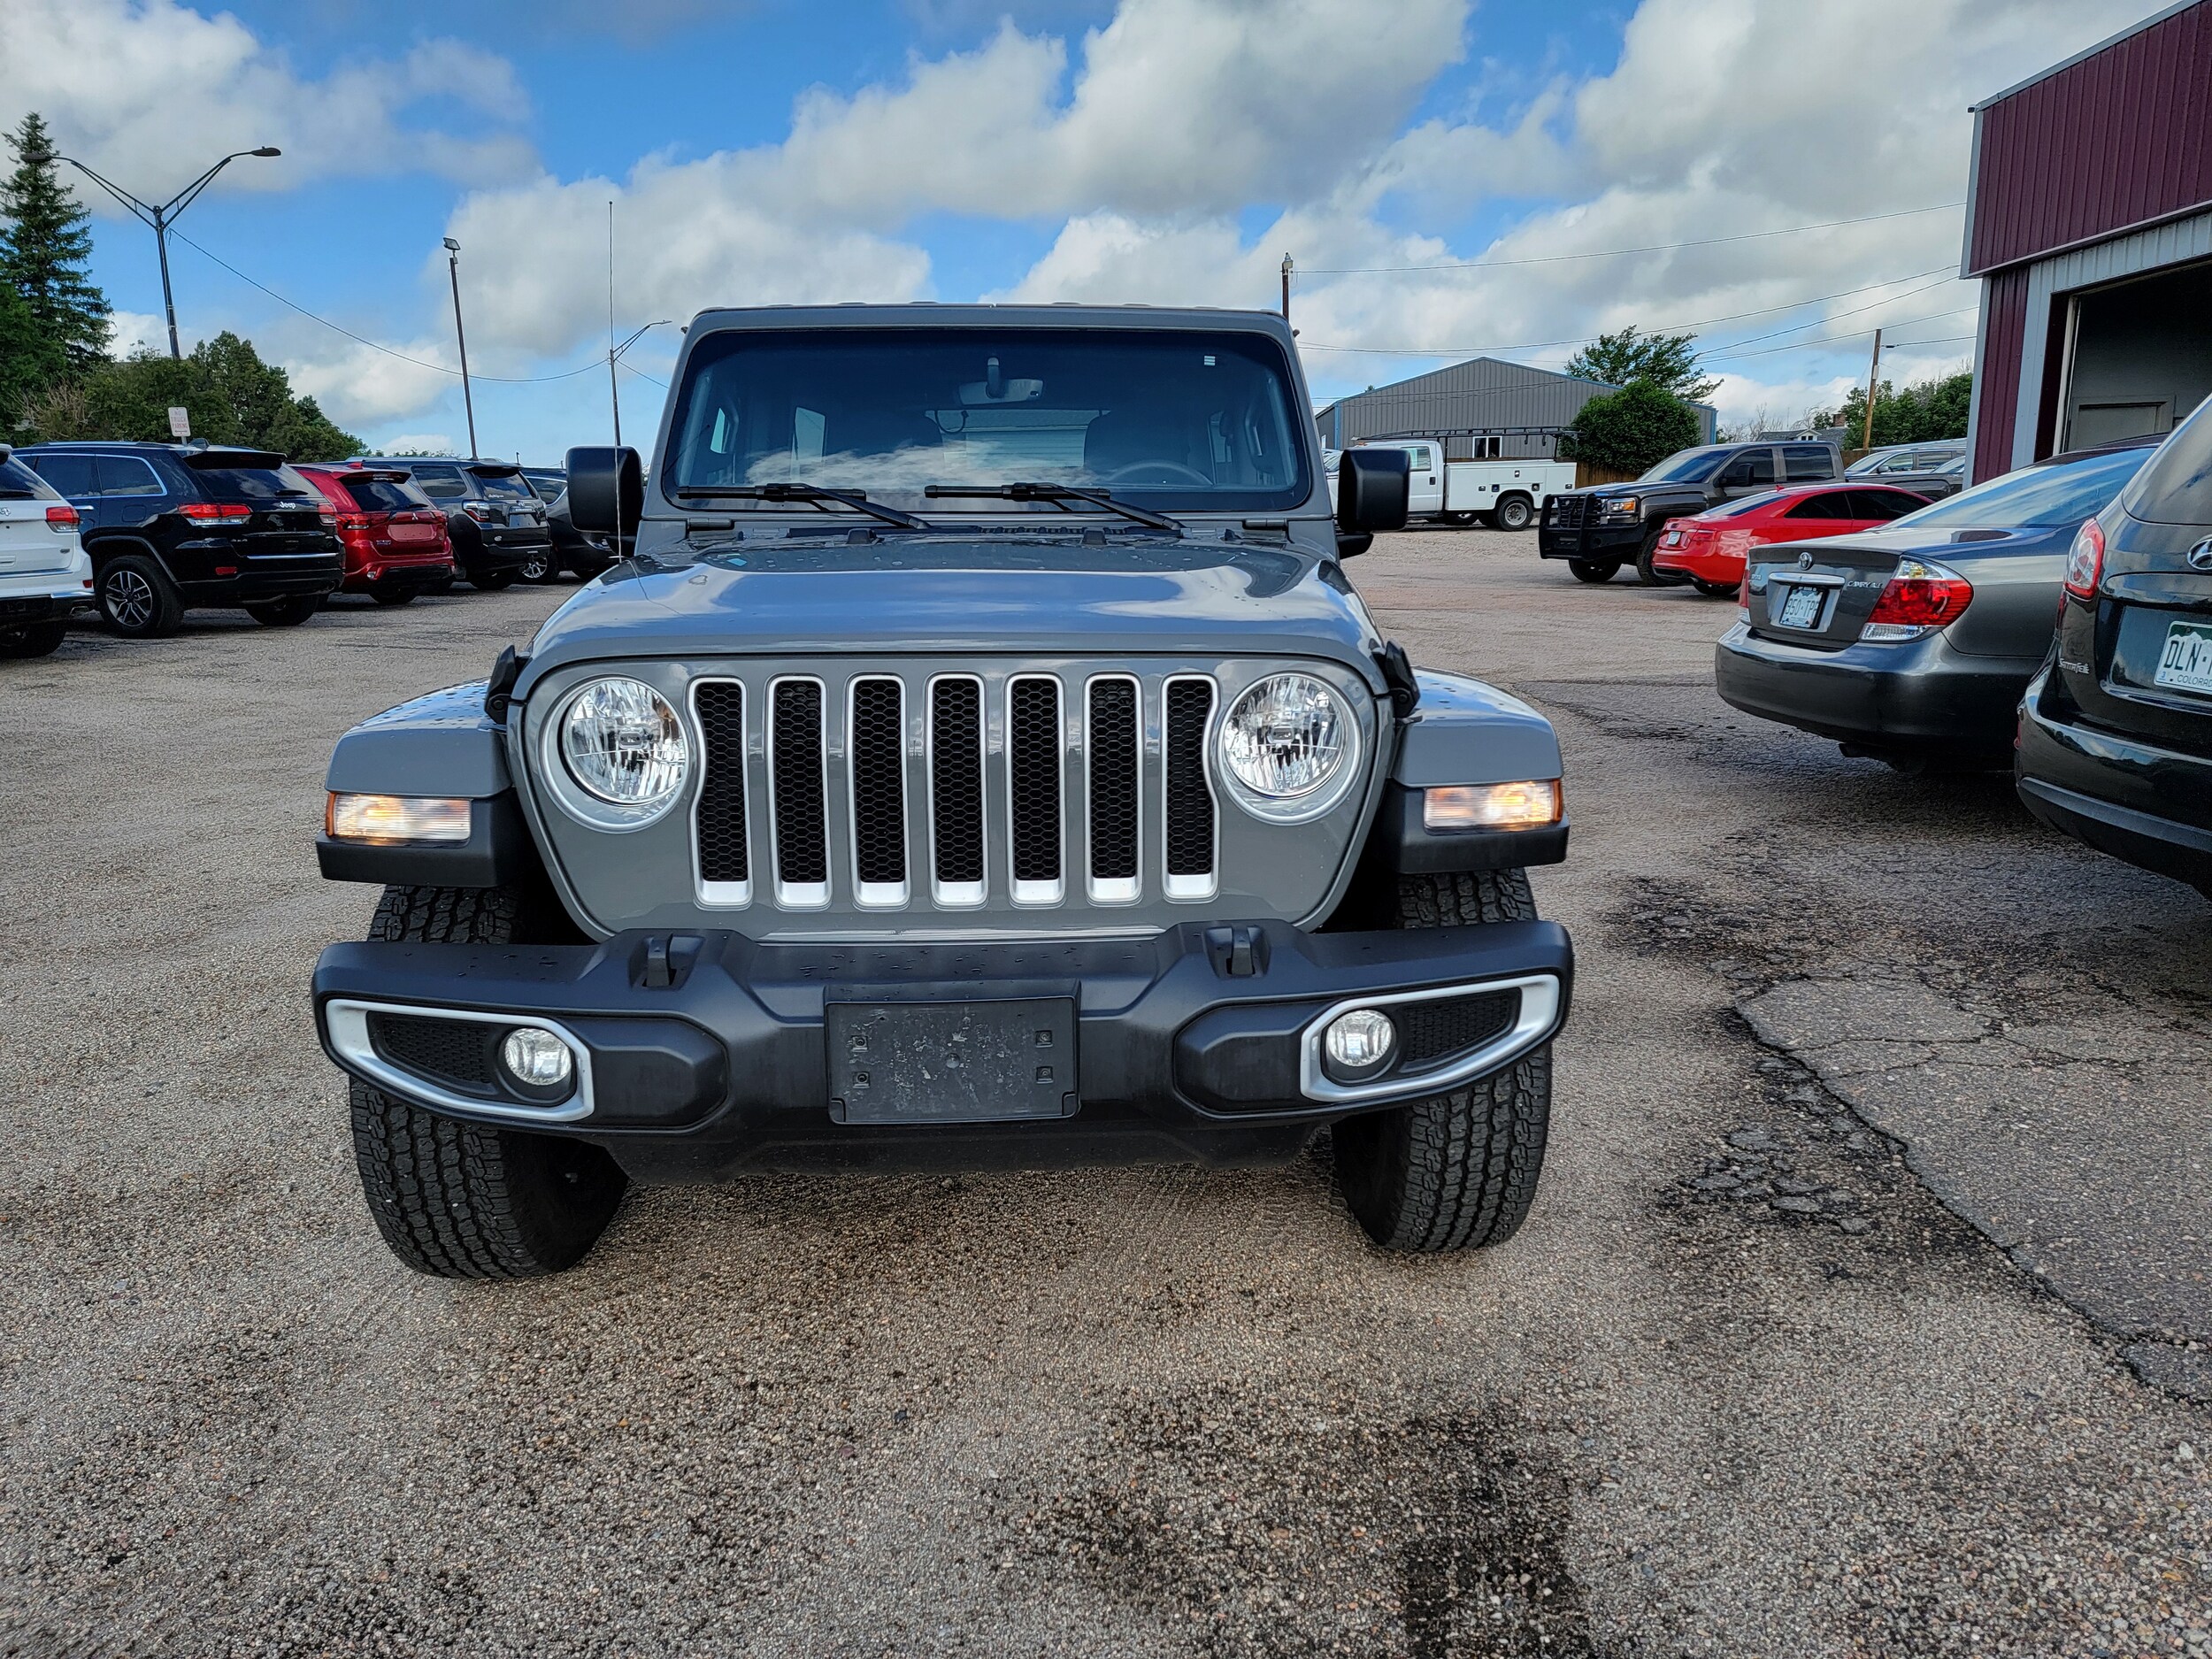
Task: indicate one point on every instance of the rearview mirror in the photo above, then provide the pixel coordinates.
(1372, 486)
(606, 491)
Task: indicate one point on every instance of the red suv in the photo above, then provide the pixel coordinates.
(395, 541)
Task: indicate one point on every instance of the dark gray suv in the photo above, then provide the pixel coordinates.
(981, 760)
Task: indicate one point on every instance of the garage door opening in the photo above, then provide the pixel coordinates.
(2138, 356)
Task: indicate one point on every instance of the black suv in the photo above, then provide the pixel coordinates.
(172, 527)
(1600, 529)
(495, 518)
(2115, 744)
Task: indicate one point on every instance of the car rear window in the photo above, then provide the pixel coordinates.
(377, 495)
(2176, 488)
(18, 482)
(253, 483)
(2037, 495)
(501, 486)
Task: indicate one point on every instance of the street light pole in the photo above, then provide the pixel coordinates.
(163, 215)
(468, 398)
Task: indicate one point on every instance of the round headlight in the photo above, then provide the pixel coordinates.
(622, 742)
(1287, 747)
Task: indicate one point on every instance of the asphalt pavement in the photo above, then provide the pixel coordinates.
(1864, 1309)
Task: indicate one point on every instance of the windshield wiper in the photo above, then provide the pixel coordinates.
(815, 494)
(1059, 496)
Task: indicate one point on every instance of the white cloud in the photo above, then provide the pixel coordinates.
(128, 331)
(149, 91)
(419, 443)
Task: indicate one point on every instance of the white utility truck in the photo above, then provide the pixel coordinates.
(1505, 495)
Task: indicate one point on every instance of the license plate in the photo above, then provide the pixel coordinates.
(31, 609)
(414, 532)
(950, 1062)
(2185, 664)
(1801, 607)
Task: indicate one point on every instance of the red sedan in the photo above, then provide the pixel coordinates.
(1711, 548)
(395, 542)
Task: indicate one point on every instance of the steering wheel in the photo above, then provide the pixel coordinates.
(1191, 473)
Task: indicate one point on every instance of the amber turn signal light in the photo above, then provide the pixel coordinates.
(396, 818)
(1467, 806)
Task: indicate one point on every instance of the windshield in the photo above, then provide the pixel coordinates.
(1685, 466)
(1162, 418)
(2035, 495)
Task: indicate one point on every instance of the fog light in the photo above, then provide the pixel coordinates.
(1532, 805)
(397, 817)
(535, 1058)
(1357, 1045)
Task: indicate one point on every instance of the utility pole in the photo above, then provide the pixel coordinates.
(1873, 381)
(614, 354)
(468, 399)
(1286, 288)
(163, 215)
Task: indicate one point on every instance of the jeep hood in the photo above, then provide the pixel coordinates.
(1035, 597)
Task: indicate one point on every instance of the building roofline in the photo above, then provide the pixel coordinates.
(2132, 29)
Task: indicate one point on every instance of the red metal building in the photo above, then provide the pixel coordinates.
(2090, 223)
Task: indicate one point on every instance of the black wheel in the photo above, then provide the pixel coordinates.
(1458, 1172)
(137, 600)
(1514, 512)
(462, 1200)
(493, 581)
(32, 639)
(1594, 570)
(286, 613)
(1460, 520)
(1716, 590)
(1647, 570)
(393, 595)
(540, 568)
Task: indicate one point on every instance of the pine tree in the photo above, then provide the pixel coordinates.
(29, 363)
(44, 248)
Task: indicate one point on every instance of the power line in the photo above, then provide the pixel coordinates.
(1860, 334)
(506, 379)
(1583, 340)
(1607, 253)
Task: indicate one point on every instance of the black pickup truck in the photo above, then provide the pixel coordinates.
(1600, 529)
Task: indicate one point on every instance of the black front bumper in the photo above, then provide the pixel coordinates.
(2148, 806)
(706, 1053)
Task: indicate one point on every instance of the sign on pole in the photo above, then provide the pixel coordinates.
(180, 424)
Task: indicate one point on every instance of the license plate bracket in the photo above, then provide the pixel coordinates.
(950, 1062)
(2184, 660)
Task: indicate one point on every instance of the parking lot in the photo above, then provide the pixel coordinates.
(1864, 1309)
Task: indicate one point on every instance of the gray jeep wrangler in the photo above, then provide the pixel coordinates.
(978, 759)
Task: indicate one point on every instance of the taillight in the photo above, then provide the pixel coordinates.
(1919, 597)
(478, 510)
(2085, 561)
(352, 521)
(61, 520)
(216, 511)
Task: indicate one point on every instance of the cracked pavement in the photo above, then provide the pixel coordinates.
(1869, 1209)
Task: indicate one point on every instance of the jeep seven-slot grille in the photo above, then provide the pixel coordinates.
(979, 767)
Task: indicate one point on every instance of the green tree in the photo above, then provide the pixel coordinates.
(232, 395)
(1630, 430)
(30, 363)
(1926, 412)
(44, 249)
(1665, 360)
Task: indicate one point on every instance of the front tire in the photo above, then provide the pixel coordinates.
(1594, 570)
(34, 639)
(540, 568)
(460, 1200)
(1457, 1171)
(1647, 570)
(137, 599)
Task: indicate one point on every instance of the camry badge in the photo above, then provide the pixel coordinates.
(1804, 561)
(2200, 555)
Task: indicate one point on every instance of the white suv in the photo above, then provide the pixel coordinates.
(44, 572)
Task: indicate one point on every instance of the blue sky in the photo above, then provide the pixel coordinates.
(1150, 149)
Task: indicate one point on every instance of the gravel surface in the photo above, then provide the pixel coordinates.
(1875, 1198)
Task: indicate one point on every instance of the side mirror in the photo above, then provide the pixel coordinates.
(1372, 486)
(606, 491)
